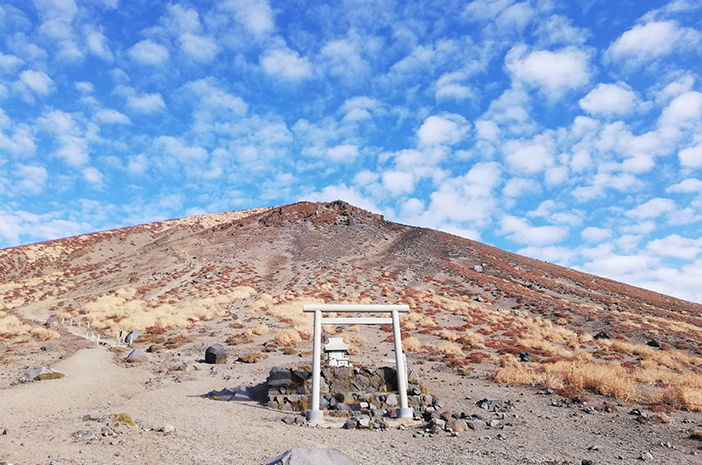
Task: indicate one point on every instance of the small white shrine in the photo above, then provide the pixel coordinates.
(337, 352)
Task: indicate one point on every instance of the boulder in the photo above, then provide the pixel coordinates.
(653, 343)
(525, 357)
(52, 321)
(476, 425)
(41, 372)
(132, 337)
(457, 425)
(279, 377)
(135, 356)
(215, 354)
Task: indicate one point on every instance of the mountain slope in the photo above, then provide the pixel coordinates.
(472, 304)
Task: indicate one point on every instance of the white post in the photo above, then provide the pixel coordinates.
(98, 340)
(404, 411)
(62, 321)
(315, 413)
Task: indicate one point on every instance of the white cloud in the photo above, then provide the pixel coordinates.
(652, 40)
(553, 72)
(467, 198)
(544, 209)
(21, 142)
(553, 254)
(676, 246)
(85, 87)
(487, 130)
(446, 129)
(93, 176)
(110, 116)
(518, 186)
(146, 103)
(398, 182)
(286, 64)
(8, 63)
(412, 207)
(256, 15)
(652, 209)
(593, 234)
(691, 156)
(73, 141)
(558, 29)
(360, 108)
(363, 178)
(199, 48)
(40, 83)
(147, 52)
(690, 185)
(342, 59)
(137, 164)
(624, 268)
(212, 96)
(182, 152)
(684, 111)
(449, 86)
(518, 230)
(530, 156)
(609, 100)
(97, 44)
(675, 88)
(31, 179)
(346, 152)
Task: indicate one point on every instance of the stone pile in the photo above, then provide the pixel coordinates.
(439, 420)
(353, 391)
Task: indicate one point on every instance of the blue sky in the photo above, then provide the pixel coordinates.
(569, 131)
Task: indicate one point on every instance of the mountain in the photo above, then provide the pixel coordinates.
(473, 305)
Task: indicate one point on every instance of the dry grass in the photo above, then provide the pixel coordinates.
(411, 344)
(448, 335)
(124, 418)
(121, 310)
(238, 339)
(260, 330)
(52, 375)
(451, 348)
(253, 357)
(473, 340)
(291, 313)
(649, 384)
(288, 337)
(551, 350)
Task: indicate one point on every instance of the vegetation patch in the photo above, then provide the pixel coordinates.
(253, 357)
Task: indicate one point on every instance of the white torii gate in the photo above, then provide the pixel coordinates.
(315, 413)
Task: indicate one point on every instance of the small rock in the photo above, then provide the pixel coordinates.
(350, 424)
(603, 335)
(52, 321)
(653, 343)
(525, 357)
(166, 429)
(289, 420)
(646, 456)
